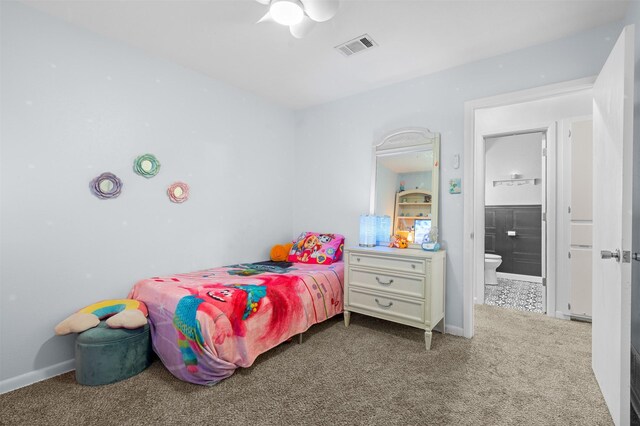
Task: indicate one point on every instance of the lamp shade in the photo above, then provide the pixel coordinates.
(367, 230)
(383, 230)
(286, 12)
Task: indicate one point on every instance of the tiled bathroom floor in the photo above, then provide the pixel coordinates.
(515, 294)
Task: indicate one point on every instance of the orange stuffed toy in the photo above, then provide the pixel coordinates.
(280, 252)
(398, 242)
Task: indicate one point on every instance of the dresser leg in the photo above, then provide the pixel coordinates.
(300, 338)
(427, 339)
(347, 318)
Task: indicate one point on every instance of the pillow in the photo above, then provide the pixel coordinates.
(315, 248)
(122, 313)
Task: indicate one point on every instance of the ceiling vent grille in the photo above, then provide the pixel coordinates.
(358, 44)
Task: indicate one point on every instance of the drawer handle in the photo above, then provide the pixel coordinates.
(383, 283)
(384, 306)
(358, 259)
(413, 266)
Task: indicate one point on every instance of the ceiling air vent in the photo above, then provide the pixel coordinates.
(358, 44)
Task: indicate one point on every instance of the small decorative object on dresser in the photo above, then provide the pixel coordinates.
(403, 286)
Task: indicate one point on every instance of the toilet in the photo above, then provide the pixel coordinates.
(491, 263)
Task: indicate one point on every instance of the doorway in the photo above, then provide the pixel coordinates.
(613, 118)
(515, 187)
(511, 114)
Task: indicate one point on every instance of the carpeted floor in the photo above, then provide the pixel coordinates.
(520, 369)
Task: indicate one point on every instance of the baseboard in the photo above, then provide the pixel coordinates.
(530, 278)
(32, 377)
(454, 330)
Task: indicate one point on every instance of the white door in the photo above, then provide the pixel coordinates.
(612, 179)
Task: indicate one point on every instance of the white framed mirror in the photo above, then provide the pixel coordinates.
(405, 182)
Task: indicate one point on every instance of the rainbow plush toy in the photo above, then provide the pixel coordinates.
(122, 313)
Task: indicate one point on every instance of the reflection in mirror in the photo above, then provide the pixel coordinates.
(106, 186)
(406, 182)
(146, 165)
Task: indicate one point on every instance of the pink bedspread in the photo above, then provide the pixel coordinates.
(206, 324)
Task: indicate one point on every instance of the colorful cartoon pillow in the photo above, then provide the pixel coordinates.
(315, 248)
(280, 252)
(122, 313)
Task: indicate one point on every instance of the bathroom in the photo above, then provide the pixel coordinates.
(514, 197)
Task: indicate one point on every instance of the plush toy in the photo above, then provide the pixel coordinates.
(122, 313)
(398, 242)
(280, 252)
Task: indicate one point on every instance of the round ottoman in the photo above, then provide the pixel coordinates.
(106, 355)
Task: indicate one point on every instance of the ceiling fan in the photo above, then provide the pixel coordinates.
(299, 15)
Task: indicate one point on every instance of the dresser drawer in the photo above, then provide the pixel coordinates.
(412, 310)
(402, 264)
(407, 285)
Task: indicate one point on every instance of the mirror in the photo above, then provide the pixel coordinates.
(146, 165)
(405, 182)
(106, 186)
(178, 192)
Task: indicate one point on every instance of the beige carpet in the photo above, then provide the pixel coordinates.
(520, 369)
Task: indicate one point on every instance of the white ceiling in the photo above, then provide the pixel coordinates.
(220, 38)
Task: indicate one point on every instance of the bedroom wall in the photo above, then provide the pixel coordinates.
(333, 141)
(74, 105)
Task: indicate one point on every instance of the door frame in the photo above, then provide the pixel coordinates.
(474, 192)
(549, 131)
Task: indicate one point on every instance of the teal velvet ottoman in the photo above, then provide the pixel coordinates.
(106, 355)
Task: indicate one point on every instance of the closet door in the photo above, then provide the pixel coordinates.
(581, 217)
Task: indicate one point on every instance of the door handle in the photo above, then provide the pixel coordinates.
(636, 256)
(606, 254)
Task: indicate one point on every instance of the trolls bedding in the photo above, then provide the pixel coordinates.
(206, 324)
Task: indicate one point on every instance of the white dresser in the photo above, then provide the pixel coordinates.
(406, 286)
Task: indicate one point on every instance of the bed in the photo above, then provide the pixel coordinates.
(205, 324)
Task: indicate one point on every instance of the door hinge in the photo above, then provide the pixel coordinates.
(569, 306)
(544, 282)
(471, 235)
(569, 209)
(544, 152)
(626, 256)
(544, 216)
(569, 255)
(569, 133)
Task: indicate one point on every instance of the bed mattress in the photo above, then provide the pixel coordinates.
(205, 324)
